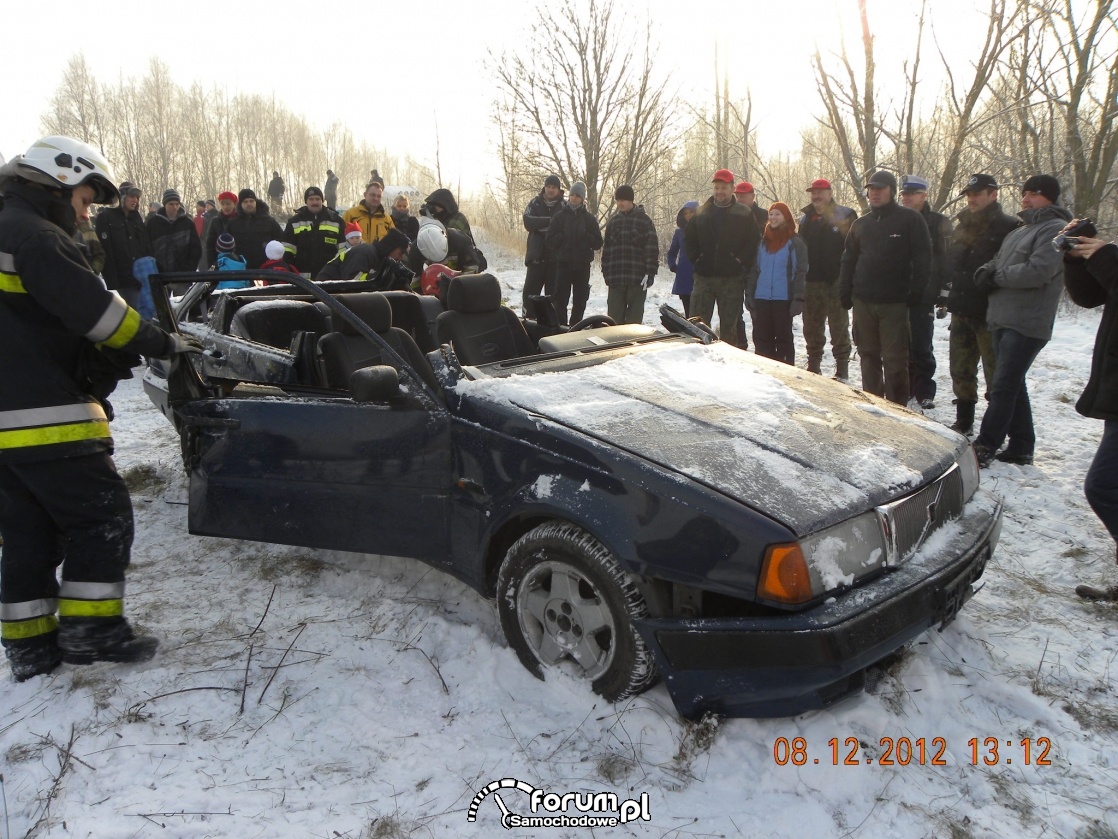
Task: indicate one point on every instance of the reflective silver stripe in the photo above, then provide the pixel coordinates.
(56, 415)
(110, 320)
(28, 609)
(7, 263)
(91, 591)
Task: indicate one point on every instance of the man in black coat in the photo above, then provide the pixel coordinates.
(313, 235)
(540, 276)
(276, 189)
(921, 317)
(331, 191)
(174, 236)
(885, 269)
(252, 228)
(721, 240)
(823, 227)
(572, 238)
(1091, 279)
(979, 232)
(125, 239)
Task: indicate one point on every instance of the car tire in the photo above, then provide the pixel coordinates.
(564, 599)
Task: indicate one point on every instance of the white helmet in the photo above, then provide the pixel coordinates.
(431, 239)
(64, 162)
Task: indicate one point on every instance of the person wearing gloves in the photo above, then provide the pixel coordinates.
(67, 340)
(630, 257)
(775, 286)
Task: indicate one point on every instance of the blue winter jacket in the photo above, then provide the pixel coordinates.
(678, 261)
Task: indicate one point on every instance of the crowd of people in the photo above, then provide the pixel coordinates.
(75, 316)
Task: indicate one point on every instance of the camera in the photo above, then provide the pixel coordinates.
(1069, 238)
(394, 276)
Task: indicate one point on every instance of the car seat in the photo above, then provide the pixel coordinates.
(479, 328)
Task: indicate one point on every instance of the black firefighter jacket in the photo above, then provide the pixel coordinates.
(887, 259)
(174, 242)
(313, 239)
(1090, 283)
(573, 236)
(125, 239)
(725, 247)
(976, 240)
(65, 339)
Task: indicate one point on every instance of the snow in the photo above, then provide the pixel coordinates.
(314, 694)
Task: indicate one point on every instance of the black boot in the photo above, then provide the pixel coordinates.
(964, 417)
(33, 656)
(815, 364)
(86, 640)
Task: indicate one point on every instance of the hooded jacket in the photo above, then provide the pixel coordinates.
(313, 239)
(573, 235)
(65, 339)
(630, 250)
(825, 236)
(678, 261)
(1029, 274)
(174, 242)
(1090, 283)
(887, 258)
(252, 233)
(374, 223)
(450, 216)
(722, 246)
(976, 241)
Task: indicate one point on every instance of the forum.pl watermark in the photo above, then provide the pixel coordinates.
(570, 809)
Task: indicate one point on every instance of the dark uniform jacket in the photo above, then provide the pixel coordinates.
(311, 240)
(65, 339)
(537, 218)
(976, 241)
(125, 239)
(460, 254)
(574, 235)
(630, 250)
(825, 236)
(1090, 283)
(722, 247)
(887, 259)
(174, 242)
(939, 229)
(252, 233)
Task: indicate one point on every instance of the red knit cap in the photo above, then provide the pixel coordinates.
(231, 196)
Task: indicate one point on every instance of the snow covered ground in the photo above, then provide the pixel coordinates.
(308, 694)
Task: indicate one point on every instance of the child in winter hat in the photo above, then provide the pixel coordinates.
(352, 234)
(227, 260)
(274, 251)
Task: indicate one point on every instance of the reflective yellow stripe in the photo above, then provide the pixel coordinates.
(301, 227)
(126, 331)
(330, 225)
(12, 630)
(48, 435)
(90, 608)
(109, 321)
(11, 283)
(289, 248)
(53, 415)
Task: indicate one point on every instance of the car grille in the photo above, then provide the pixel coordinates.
(909, 521)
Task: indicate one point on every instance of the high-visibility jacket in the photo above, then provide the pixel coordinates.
(62, 334)
(311, 240)
(374, 224)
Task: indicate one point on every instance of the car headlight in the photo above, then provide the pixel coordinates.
(968, 470)
(837, 557)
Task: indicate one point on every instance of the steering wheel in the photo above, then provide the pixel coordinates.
(592, 322)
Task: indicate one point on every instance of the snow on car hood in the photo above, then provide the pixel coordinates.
(804, 449)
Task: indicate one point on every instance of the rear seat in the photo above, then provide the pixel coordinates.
(276, 322)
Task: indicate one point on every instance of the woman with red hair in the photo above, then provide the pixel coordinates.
(774, 289)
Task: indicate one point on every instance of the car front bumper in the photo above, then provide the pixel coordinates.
(785, 665)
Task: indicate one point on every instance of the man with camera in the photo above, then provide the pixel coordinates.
(1023, 283)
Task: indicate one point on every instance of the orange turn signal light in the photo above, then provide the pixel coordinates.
(784, 575)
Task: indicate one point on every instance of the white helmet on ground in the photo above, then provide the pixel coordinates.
(66, 163)
(431, 239)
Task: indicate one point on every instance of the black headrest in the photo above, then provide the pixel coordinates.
(473, 293)
(369, 306)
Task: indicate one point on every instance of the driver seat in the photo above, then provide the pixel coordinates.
(479, 328)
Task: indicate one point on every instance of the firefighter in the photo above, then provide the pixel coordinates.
(65, 341)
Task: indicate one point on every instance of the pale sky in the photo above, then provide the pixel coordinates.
(389, 70)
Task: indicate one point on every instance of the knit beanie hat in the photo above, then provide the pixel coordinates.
(227, 196)
(579, 188)
(274, 250)
(624, 193)
(392, 239)
(1046, 185)
(312, 190)
(553, 180)
(226, 243)
(353, 229)
(245, 193)
(171, 195)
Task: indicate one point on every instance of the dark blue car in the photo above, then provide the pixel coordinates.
(641, 503)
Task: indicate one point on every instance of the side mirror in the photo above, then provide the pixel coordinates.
(374, 384)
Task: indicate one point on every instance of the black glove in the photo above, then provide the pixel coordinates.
(984, 279)
(648, 281)
(184, 343)
(846, 303)
(796, 308)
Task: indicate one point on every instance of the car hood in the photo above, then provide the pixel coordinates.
(803, 449)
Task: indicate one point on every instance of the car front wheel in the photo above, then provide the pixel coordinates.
(564, 599)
